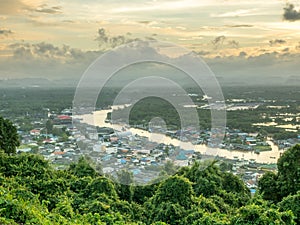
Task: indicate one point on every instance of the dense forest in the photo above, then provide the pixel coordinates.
(32, 192)
(25, 105)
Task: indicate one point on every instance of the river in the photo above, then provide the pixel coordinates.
(98, 119)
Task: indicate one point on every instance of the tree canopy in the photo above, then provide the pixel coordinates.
(33, 192)
(287, 181)
(9, 138)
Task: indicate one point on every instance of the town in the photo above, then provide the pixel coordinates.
(58, 139)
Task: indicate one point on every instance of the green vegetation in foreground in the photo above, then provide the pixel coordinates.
(32, 192)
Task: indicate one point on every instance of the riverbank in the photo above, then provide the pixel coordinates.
(98, 119)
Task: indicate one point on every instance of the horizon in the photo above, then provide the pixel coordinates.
(240, 41)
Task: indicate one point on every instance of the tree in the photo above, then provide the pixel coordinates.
(207, 179)
(232, 183)
(291, 202)
(254, 214)
(268, 186)
(287, 181)
(82, 168)
(170, 167)
(289, 171)
(124, 188)
(9, 139)
(176, 190)
(49, 126)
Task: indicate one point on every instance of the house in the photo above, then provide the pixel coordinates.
(35, 132)
(49, 141)
(62, 120)
(250, 141)
(20, 150)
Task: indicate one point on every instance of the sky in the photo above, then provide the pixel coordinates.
(240, 40)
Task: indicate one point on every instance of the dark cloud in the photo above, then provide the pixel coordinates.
(239, 25)
(286, 50)
(277, 42)
(270, 68)
(46, 60)
(290, 13)
(243, 54)
(48, 52)
(50, 10)
(5, 32)
(53, 62)
(218, 41)
(106, 41)
(233, 43)
(145, 22)
(203, 53)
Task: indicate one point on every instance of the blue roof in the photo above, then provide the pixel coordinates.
(123, 161)
(181, 156)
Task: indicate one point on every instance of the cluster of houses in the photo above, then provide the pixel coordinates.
(124, 150)
(283, 144)
(58, 150)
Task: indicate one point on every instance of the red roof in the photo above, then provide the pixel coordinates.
(35, 131)
(58, 153)
(64, 117)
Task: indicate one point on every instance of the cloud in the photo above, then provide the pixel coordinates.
(233, 43)
(243, 54)
(57, 62)
(49, 53)
(218, 41)
(146, 22)
(203, 53)
(106, 41)
(5, 32)
(286, 50)
(50, 10)
(45, 60)
(237, 13)
(239, 25)
(12, 7)
(272, 68)
(290, 13)
(277, 42)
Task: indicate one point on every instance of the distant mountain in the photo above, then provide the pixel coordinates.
(36, 83)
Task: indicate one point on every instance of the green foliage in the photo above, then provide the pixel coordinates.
(209, 181)
(289, 171)
(176, 190)
(268, 186)
(32, 192)
(170, 168)
(124, 186)
(9, 138)
(254, 214)
(212, 219)
(291, 202)
(142, 193)
(276, 186)
(283, 135)
(82, 168)
(27, 168)
(100, 185)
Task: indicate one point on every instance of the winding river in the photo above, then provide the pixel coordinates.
(98, 119)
